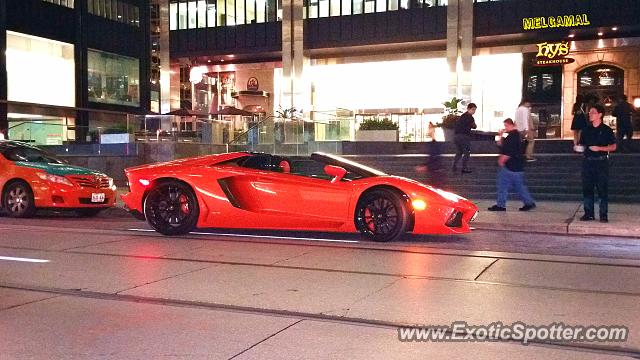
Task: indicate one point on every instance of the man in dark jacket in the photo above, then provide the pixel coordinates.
(462, 138)
(622, 113)
(511, 171)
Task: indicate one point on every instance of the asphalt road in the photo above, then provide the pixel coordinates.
(109, 287)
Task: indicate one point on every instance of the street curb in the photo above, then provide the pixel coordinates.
(572, 228)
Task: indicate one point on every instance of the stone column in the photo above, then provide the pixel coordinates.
(4, 125)
(460, 47)
(453, 46)
(465, 32)
(295, 87)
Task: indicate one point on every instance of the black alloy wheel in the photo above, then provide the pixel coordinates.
(18, 200)
(381, 215)
(171, 208)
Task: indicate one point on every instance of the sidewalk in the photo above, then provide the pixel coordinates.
(557, 217)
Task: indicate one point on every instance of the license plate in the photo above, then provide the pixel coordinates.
(97, 197)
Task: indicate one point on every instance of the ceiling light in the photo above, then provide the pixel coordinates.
(615, 28)
(600, 33)
(572, 35)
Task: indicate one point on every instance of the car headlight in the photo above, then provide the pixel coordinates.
(54, 179)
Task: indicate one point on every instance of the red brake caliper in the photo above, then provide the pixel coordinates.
(184, 204)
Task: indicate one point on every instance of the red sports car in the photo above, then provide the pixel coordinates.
(263, 191)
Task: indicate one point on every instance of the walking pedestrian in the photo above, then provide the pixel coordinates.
(622, 112)
(524, 125)
(511, 173)
(598, 140)
(579, 121)
(462, 138)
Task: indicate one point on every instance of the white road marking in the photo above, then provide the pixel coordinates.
(260, 236)
(9, 258)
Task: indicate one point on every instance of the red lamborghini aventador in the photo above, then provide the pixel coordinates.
(263, 191)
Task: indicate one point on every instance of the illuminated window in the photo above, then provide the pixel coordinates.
(113, 79)
(66, 3)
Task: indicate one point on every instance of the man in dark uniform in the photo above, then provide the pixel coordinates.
(462, 138)
(598, 140)
(622, 113)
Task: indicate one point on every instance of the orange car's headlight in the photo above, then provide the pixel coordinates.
(54, 178)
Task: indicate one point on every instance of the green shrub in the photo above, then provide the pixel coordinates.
(377, 124)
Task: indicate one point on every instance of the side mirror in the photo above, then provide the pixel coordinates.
(336, 171)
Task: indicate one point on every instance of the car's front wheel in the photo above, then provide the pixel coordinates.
(171, 208)
(381, 215)
(18, 200)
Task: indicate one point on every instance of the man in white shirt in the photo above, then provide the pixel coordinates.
(525, 127)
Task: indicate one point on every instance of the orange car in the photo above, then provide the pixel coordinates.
(262, 191)
(31, 179)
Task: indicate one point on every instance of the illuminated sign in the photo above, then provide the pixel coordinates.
(551, 54)
(555, 22)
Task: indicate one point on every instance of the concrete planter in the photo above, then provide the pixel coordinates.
(449, 134)
(123, 138)
(377, 135)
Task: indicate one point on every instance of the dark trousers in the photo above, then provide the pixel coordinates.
(463, 146)
(624, 131)
(595, 174)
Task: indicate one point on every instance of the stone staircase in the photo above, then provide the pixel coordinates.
(551, 177)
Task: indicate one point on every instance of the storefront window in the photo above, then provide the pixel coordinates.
(173, 16)
(113, 79)
(40, 70)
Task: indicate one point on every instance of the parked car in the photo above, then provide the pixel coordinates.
(263, 191)
(31, 179)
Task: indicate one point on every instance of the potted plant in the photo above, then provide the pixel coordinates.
(377, 130)
(452, 114)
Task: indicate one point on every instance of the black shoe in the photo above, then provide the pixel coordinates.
(528, 207)
(497, 208)
(604, 219)
(467, 171)
(586, 217)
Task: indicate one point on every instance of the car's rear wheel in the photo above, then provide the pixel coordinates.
(171, 208)
(381, 215)
(89, 212)
(18, 200)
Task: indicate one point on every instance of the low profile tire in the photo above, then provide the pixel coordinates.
(18, 200)
(171, 208)
(381, 215)
(89, 212)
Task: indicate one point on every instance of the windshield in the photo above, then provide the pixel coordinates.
(350, 166)
(28, 154)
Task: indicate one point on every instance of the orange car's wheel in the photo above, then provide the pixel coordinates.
(171, 208)
(381, 215)
(18, 200)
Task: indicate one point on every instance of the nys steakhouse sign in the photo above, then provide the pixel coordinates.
(564, 21)
(552, 54)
